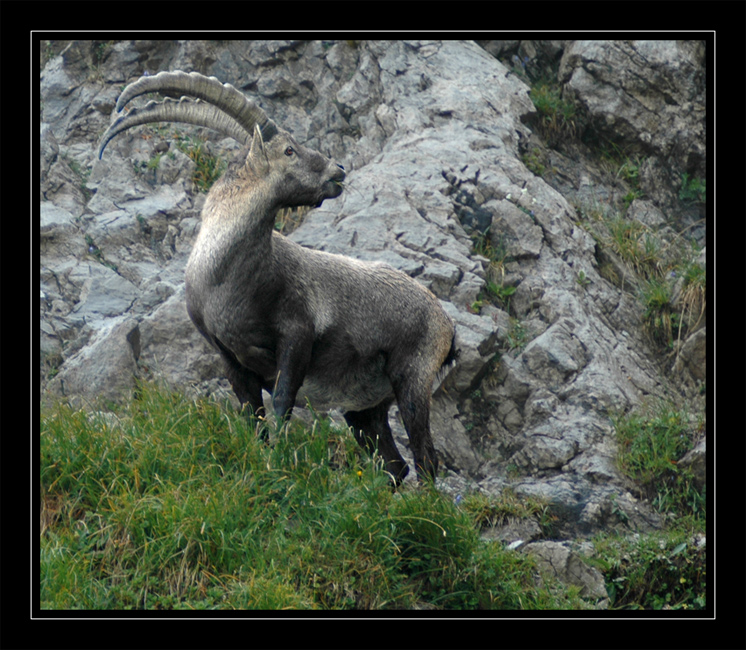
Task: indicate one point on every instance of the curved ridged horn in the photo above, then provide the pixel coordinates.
(239, 112)
(209, 89)
(184, 110)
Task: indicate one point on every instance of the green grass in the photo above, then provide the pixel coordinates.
(671, 309)
(509, 508)
(664, 569)
(660, 320)
(637, 246)
(650, 445)
(557, 117)
(173, 503)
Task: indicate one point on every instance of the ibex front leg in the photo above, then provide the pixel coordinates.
(247, 386)
(293, 356)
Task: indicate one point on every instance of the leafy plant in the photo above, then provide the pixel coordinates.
(693, 190)
(534, 162)
(500, 292)
(82, 174)
(516, 338)
(631, 196)
(630, 172)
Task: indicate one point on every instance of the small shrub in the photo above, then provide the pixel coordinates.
(657, 571)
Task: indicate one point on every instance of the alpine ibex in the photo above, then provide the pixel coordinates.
(299, 323)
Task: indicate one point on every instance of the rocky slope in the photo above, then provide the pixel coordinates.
(508, 209)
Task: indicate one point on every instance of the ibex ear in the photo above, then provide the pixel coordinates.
(257, 157)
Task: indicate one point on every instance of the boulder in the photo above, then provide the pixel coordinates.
(568, 566)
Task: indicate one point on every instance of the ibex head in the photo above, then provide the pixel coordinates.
(297, 175)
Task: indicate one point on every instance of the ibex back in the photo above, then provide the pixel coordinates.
(299, 323)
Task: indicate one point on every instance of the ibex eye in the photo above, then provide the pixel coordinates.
(289, 151)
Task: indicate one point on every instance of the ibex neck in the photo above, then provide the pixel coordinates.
(235, 239)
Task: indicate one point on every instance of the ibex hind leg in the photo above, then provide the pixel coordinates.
(372, 431)
(414, 407)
